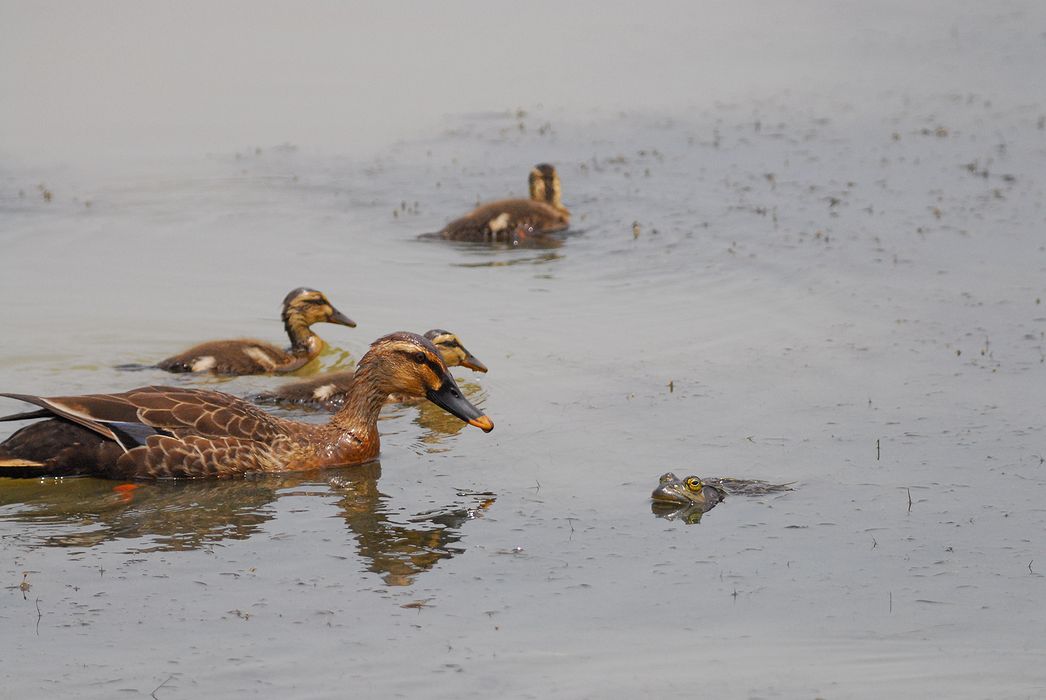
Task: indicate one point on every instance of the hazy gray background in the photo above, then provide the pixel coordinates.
(88, 79)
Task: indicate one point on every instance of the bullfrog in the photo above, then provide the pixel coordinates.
(689, 498)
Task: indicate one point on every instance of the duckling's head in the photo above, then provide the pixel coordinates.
(545, 187)
(454, 354)
(304, 306)
(685, 492)
(407, 363)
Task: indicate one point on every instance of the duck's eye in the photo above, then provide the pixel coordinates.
(419, 357)
(694, 484)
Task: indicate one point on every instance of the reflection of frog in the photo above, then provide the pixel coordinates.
(182, 515)
(688, 499)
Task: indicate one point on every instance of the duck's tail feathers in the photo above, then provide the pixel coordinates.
(28, 415)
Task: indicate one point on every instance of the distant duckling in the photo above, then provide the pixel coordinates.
(513, 220)
(301, 308)
(329, 390)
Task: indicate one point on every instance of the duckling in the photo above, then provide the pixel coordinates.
(167, 432)
(513, 220)
(302, 307)
(329, 390)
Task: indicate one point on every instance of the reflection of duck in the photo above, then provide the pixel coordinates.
(400, 551)
(329, 390)
(184, 515)
(163, 432)
(513, 220)
(301, 308)
(166, 515)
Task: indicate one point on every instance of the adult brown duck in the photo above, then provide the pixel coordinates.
(302, 307)
(167, 432)
(330, 390)
(515, 220)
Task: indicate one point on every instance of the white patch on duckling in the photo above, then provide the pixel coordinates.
(202, 364)
(322, 393)
(261, 357)
(499, 223)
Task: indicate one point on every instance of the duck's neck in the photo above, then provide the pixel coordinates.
(303, 340)
(555, 197)
(547, 191)
(363, 403)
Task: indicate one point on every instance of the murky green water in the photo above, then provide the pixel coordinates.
(787, 289)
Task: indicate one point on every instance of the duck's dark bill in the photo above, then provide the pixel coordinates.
(339, 317)
(449, 398)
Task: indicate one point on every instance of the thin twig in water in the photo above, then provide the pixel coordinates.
(876, 450)
(40, 614)
(1029, 566)
(909, 499)
(153, 694)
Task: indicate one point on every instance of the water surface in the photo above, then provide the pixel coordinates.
(789, 288)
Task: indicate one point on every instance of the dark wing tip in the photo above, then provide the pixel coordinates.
(131, 435)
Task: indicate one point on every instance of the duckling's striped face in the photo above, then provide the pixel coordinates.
(453, 352)
(309, 306)
(545, 187)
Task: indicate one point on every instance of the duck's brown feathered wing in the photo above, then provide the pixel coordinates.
(98, 413)
(164, 431)
(172, 410)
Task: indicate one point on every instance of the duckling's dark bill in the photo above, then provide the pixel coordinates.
(449, 398)
(472, 363)
(341, 319)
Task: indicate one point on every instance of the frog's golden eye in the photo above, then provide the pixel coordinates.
(694, 484)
